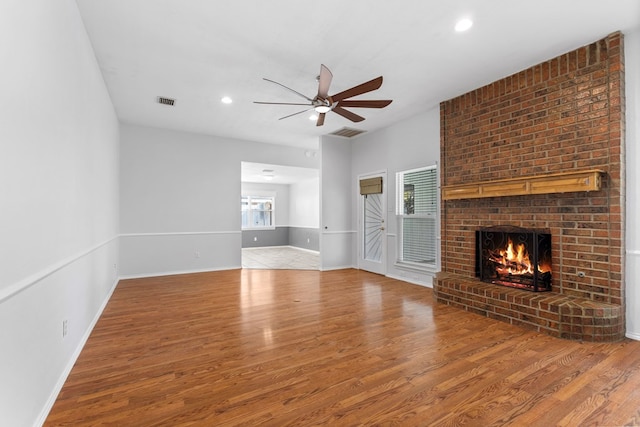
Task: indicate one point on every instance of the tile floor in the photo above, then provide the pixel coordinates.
(280, 257)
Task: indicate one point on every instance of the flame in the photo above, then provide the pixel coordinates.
(515, 260)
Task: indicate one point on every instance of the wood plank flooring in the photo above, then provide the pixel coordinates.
(305, 348)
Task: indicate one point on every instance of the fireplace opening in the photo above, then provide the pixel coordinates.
(515, 257)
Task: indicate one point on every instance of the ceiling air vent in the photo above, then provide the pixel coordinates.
(347, 132)
(166, 101)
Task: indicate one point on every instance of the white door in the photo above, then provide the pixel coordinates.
(372, 224)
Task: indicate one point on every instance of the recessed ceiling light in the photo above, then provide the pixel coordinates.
(463, 25)
(226, 100)
(313, 117)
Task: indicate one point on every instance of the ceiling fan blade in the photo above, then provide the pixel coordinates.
(365, 103)
(295, 114)
(320, 121)
(288, 88)
(347, 114)
(280, 103)
(324, 82)
(358, 90)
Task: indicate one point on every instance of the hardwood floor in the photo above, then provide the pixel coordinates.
(283, 347)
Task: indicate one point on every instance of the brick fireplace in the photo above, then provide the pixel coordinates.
(563, 116)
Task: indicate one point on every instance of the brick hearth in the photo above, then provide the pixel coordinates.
(566, 114)
(550, 312)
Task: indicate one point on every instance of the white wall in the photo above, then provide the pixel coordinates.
(632, 235)
(337, 233)
(409, 144)
(304, 205)
(58, 198)
(281, 191)
(180, 196)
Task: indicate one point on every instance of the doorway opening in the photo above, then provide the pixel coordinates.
(280, 211)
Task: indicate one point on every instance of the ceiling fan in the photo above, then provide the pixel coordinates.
(322, 103)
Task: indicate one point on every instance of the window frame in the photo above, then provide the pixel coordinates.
(401, 216)
(260, 195)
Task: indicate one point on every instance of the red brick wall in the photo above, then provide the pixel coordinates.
(562, 115)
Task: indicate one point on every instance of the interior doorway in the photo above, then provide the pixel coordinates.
(279, 206)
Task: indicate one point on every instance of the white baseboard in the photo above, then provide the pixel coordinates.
(633, 336)
(304, 249)
(344, 267)
(408, 280)
(174, 273)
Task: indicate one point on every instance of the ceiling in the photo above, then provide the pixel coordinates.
(198, 51)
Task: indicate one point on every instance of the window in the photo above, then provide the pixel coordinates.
(258, 211)
(417, 215)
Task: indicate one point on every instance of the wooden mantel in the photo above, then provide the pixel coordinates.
(588, 180)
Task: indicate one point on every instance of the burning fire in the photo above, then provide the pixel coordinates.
(504, 259)
(513, 260)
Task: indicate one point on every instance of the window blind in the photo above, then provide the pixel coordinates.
(417, 192)
(418, 240)
(417, 210)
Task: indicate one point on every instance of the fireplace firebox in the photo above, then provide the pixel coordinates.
(515, 257)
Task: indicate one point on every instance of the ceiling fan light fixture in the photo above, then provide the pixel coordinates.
(321, 109)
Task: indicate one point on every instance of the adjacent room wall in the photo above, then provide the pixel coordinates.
(304, 205)
(410, 144)
(180, 198)
(304, 214)
(59, 198)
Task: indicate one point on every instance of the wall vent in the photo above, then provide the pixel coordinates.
(166, 101)
(347, 132)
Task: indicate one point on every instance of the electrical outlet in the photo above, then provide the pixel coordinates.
(308, 240)
(197, 254)
(65, 329)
